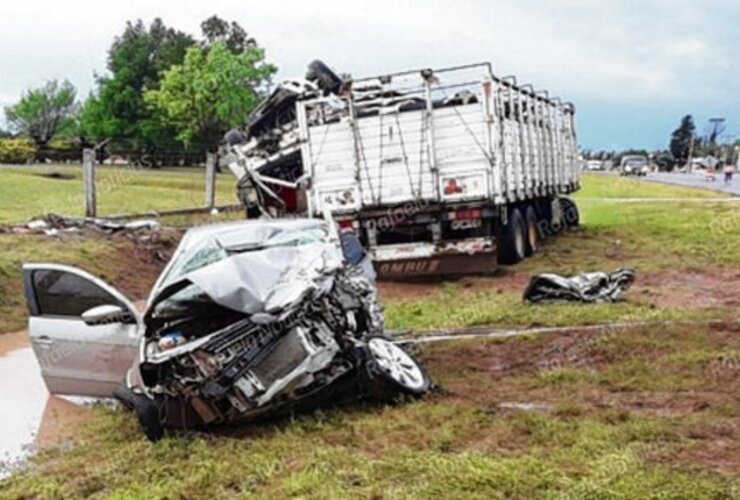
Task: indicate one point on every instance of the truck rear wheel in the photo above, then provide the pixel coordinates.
(533, 232)
(570, 213)
(512, 242)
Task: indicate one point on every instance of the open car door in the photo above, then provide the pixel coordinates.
(84, 333)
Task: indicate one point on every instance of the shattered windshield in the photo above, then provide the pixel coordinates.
(283, 239)
(208, 252)
(212, 250)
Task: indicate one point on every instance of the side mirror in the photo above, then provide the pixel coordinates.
(106, 315)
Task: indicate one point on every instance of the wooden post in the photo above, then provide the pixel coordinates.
(211, 159)
(88, 180)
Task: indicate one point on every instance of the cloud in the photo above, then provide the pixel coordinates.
(666, 57)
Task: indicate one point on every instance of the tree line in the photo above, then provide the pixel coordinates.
(166, 97)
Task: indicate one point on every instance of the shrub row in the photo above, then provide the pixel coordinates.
(16, 150)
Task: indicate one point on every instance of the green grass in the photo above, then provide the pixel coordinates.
(649, 237)
(607, 186)
(454, 306)
(26, 192)
(452, 445)
(649, 413)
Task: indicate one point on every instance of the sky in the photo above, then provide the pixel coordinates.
(632, 68)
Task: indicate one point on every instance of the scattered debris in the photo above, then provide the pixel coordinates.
(528, 407)
(585, 287)
(54, 225)
(55, 221)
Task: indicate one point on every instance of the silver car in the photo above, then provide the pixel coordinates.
(248, 318)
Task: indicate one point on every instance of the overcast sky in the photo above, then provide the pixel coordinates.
(632, 67)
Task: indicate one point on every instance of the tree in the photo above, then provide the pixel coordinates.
(45, 112)
(135, 62)
(682, 138)
(233, 36)
(211, 92)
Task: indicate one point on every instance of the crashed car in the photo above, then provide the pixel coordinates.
(248, 319)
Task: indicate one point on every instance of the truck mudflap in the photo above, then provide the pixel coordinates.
(415, 260)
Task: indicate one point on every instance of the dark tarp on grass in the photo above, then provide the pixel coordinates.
(585, 287)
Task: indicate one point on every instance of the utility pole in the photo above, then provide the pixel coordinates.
(690, 165)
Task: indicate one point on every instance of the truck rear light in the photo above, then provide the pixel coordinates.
(348, 224)
(465, 214)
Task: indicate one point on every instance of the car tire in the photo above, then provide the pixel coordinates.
(392, 373)
(147, 411)
(149, 414)
(571, 217)
(512, 241)
(534, 235)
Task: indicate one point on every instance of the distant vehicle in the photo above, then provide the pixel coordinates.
(634, 165)
(594, 165)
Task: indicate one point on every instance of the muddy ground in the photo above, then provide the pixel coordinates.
(686, 377)
(694, 288)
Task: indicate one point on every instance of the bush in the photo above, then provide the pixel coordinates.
(16, 150)
(62, 151)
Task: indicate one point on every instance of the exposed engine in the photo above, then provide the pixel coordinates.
(259, 361)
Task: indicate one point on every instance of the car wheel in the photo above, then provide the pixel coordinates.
(512, 241)
(147, 411)
(533, 232)
(393, 372)
(570, 213)
(149, 415)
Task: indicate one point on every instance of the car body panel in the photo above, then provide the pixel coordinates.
(76, 358)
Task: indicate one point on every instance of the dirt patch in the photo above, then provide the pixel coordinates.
(10, 342)
(57, 176)
(141, 258)
(709, 287)
(561, 373)
(503, 280)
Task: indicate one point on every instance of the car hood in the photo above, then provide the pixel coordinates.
(264, 281)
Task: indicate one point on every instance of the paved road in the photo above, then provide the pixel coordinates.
(698, 181)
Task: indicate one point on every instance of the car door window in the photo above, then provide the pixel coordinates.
(60, 293)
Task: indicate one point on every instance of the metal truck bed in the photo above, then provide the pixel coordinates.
(427, 166)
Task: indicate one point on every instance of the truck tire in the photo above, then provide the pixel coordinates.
(512, 242)
(533, 232)
(571, 216)
(325, 78)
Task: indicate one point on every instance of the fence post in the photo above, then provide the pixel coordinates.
(88, 180)
(211, 180)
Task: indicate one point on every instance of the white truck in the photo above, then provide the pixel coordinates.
(438, 172)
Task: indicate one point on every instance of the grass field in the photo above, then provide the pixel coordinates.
(641, 413)
(27, 192)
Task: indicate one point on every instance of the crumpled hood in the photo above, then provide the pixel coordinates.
(267, 280)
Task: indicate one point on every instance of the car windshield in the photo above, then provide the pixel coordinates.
(211, 250)
(636, 162)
